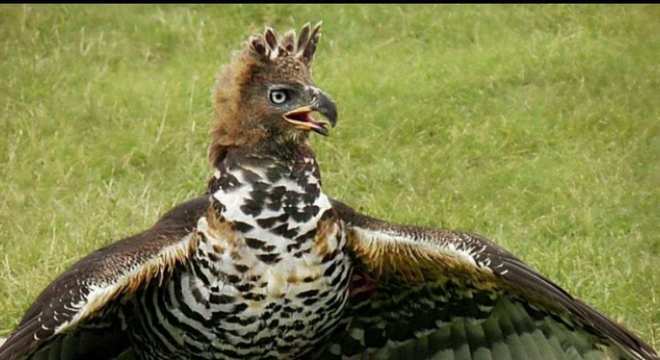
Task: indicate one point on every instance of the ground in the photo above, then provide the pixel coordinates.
(537, 126)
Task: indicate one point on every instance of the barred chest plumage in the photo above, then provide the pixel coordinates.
(270, 275)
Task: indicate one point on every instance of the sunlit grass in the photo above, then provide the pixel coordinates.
(535, 126)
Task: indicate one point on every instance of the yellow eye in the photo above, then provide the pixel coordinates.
(278, 97)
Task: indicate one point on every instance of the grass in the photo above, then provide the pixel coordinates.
(537, 126)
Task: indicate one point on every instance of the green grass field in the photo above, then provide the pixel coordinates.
(537, 126)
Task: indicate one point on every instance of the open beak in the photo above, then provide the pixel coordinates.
(302, 117)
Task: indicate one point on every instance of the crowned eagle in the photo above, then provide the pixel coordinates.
(266, 265)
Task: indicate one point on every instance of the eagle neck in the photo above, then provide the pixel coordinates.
(266, 164)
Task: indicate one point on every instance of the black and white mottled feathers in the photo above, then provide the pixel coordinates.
(267, 266)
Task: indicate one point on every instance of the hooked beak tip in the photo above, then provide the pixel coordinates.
(328, 109)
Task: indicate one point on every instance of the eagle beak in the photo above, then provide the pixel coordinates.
(302, 117)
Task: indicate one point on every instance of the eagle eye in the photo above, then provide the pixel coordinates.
(279, 96)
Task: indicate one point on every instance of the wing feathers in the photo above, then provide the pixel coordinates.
(89, 287)
(415, 255)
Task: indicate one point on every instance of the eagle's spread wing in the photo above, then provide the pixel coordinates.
(423, 293)
(69, 319)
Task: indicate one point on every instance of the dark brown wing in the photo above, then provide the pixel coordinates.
(424, 293)
(74, 317)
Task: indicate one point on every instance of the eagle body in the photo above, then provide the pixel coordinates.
(269, 276)
(265, 265)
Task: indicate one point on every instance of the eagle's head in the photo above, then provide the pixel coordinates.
(266, 96)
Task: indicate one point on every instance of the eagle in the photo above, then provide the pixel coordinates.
(266, 265)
